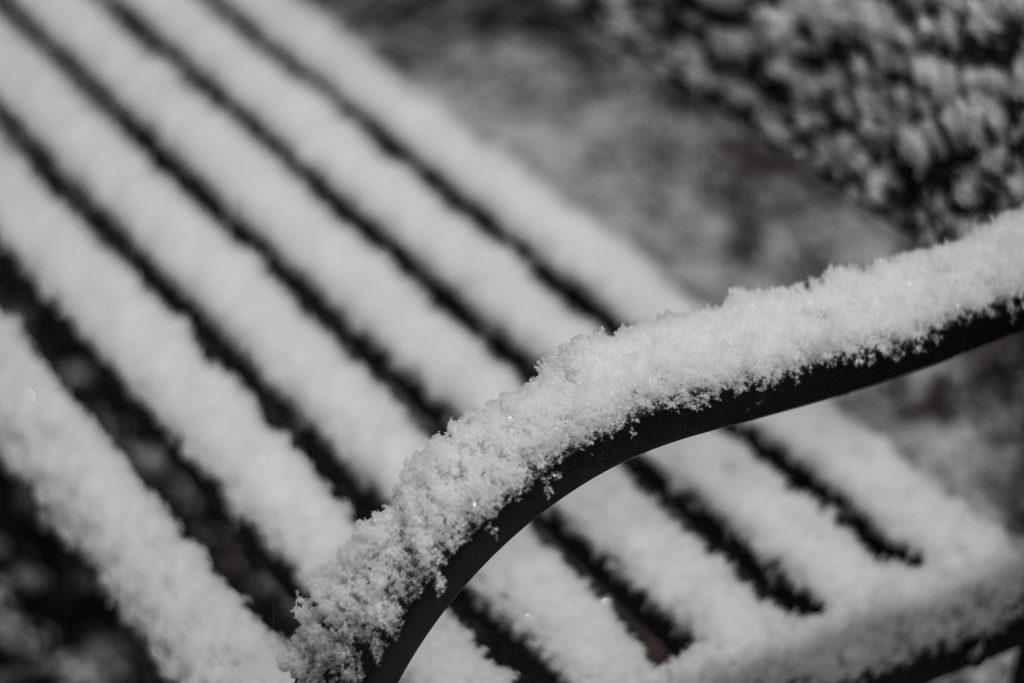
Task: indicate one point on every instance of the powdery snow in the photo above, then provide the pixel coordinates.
(386, 190)
(198, 628)
(596, 385)
(154, 351)
(557, 233)
(227, 282)
(359, 280)
(267, 482)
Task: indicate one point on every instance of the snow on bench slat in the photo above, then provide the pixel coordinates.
(312, 126)
(557, 232)
(220, 426)
(671, 565)
(363, 283)
(423, 131)
(382, 474)
(224, 279)
(450, 654)
(596, 385)
(163, 585)
(781, 525)
(382, 188)
(307, 120)
(576, 633)
(327, 523)
(339, 58)
(846, 456)
(870, 620)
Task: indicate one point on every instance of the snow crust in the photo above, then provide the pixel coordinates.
(198, 628)
(597, 385)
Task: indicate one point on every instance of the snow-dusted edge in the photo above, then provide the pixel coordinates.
(597, 386)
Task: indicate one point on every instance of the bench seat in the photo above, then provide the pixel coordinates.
(295, 268)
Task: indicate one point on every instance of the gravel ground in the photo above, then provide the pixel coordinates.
(712, 201)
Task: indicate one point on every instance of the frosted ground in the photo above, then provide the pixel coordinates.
(716, 205)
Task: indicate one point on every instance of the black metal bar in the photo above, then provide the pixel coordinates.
(803, 386)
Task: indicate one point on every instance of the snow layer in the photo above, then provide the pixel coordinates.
(198, 629)
(226, 281)
(596, 385)
(154, 351)
(267, 481)
(556, 232)
(191, 254)
(381, 187)
(364, 284)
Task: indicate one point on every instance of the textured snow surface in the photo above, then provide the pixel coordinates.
(358, 279)
(422, 222)
(556, 232)
(596, 385)
(227, 281)
(155, 351)
(219, 424)
(198, 628)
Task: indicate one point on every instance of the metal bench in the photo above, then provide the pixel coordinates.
(284, 268)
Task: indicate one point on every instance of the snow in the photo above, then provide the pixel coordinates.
(671, 565)
(198, 628)
(783, 528)
(597, 385)
(362, 283)
(557, 233)
(269, 482)
(219, 424)
(196, 240)
(581, 639)
(844, 454)
(277, 337)
(224, 279)
(384, 189)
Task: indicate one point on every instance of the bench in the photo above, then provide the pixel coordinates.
(271, 314)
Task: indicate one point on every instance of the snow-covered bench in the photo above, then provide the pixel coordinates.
(295, 268)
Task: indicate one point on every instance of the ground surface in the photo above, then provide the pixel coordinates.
(710, 200)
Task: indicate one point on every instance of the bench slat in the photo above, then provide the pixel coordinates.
(164, 586)
(477, 267)
(219, 424)
(362, 282)
(848, 458)
(103, 173)
(784, 527)
(555, 231)
(561, 618)
(220, 275)
(697, 589)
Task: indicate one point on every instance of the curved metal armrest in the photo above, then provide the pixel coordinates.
(474, 487)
